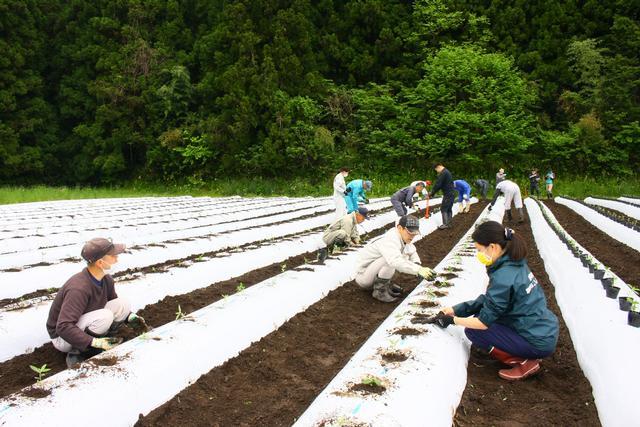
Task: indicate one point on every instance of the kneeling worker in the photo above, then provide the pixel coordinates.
(87, 308)
(343, 232)
(390, 252)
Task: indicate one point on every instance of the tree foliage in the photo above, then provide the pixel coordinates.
(107, 91)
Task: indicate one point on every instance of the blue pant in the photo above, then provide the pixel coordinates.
(466, 195)
(506, 339)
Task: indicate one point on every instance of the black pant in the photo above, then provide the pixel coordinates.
(533, 189)
(446, 209)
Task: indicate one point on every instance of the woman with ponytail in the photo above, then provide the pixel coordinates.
(510, 320)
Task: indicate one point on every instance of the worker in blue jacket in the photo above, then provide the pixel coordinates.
(355, 193)
(464, 194)
(403, 198)
(511, 320)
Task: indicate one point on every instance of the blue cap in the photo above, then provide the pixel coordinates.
(368, 184)
(364, 212)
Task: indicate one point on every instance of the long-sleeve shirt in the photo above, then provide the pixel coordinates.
(505, 187)
(339, 186)
(78, 296)
(534, 179)
(482, 184)
(514, 299)
(347, 223)
(397, 254)
(356, 194)
(462, 186)
(444, 183)
(405, 195)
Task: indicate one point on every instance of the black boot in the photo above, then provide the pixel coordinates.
(521, 214)
(509, 216)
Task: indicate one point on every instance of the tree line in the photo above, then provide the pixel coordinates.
(108, 91)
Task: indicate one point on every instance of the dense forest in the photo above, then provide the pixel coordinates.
(109, 91)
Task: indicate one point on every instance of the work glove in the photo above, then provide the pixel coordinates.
(442, 320)
(427, 273)
(346, 193)
(136, 321)
(356, 241)
(366, 201)
(106, 343)
(490, 207)
(348, 190)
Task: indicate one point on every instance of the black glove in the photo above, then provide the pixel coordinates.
(348, 190)
(396, 290)
(346, 193)
(442, 320)
(366, 201)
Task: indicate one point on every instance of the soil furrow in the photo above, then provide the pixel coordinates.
(559, 395)
(620, 258)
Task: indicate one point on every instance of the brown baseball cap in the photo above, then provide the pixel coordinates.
(98, 247)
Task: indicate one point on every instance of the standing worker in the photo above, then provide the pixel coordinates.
(444, 183)
(483, 187)
(500, 176)
(87, 309)
(511, 321)
(339, 188)
(464, 194)
(342, 232)
(355, 193)
(549, 177)
(392, 251)
(511, 192)
(403, 198)
(534, 180)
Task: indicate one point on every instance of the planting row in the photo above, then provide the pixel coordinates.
(619, 232)
(632, 200)
(230, 235)
(138, 360)
(598, 330)
(22, 321)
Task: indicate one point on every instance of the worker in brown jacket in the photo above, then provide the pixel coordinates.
(87, 308)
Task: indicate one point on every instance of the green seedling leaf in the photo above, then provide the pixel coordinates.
(41, 371)
(179, 313)
(241, 287)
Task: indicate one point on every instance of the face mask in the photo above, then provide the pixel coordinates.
(106, 267)
(484, 258)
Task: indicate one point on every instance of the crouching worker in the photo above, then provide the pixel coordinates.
(511, 320)
(87, 308)
(403, 198)
(343, 232)
(392, 251)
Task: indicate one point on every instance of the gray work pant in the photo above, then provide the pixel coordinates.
(98, 321)
(378, 268)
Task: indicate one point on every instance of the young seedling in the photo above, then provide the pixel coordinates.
(372, 381)
(41, 371)
(179, 313)
(241, 287)
(283, 267)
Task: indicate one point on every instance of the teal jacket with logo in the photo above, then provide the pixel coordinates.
(514, 299)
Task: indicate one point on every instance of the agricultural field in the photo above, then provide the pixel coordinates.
(246, 327)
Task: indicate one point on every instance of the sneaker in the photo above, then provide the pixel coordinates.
(444, 227)
(520, 371)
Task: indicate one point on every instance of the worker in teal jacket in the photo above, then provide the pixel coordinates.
(355, 193)
(511, 320)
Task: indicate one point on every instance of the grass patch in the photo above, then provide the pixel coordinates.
(250, 187)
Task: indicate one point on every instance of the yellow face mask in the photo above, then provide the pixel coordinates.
(484, 258)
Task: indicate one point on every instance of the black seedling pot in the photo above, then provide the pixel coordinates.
(612, 291)
(633, 319)
(598, 274)
(625, 304)
(606, 282)
(591, 268)
(584, 262)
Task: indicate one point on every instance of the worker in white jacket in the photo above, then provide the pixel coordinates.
(392, 251)
(511, 192)
(339, 188)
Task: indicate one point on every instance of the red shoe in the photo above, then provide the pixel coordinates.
(520, 371)
(505, 357)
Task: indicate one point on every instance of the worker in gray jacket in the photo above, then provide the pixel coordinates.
(342, 232)
(403, 199)
(392, 251)
(483, 187)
